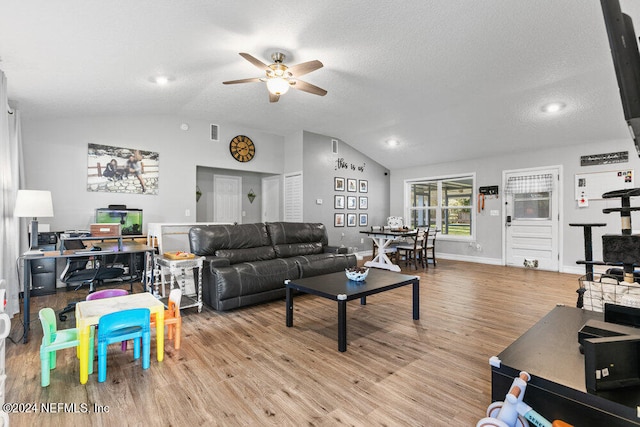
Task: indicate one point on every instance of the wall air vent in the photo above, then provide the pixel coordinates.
(215, 129)
(334, 146)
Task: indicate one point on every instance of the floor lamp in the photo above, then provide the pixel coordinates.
(33, 204)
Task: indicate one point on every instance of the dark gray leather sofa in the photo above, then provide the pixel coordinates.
(248, 263)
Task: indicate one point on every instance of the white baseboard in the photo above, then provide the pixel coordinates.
(570, 269)
(468, 258)
(454, 257)
(579, 269)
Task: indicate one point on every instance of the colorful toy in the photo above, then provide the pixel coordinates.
(513, 412)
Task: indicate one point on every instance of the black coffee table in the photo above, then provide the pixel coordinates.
(337, 287)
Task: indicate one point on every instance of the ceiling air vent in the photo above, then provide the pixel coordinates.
(214, 132)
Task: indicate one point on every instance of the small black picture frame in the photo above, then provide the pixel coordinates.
(363, 220)
(338, 220)
(351, 202)
(351, 220)
(363, 185)
(352, 185)
(338, 184)
(363, 202)
(338, 201)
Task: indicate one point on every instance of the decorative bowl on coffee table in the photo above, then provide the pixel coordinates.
(358, 275)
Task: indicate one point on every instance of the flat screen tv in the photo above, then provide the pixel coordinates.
(129, 219)
(626, 60)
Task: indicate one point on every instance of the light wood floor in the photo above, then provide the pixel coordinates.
(244, 367)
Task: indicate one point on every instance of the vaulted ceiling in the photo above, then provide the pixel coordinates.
(449, 79)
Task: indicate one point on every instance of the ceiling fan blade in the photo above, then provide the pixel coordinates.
(254, 61)
(308, 87)
(273, 98)
(233, 82)
(304, 68)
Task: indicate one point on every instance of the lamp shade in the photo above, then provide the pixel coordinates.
(33, 204)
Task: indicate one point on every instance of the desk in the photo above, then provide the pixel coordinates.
(108, 248)
(382, 239)
(88, 313)
(549, 352)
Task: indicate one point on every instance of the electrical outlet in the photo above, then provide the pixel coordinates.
(187, 212)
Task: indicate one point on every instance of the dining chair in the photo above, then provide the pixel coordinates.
(413, 251)
(172, 318)
(109, 293)
(121, 326)
(430, 246)
(54, 340)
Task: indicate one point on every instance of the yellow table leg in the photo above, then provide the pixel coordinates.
(84, 354)
(160, 334)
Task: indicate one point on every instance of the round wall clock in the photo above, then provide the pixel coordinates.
(242, 148)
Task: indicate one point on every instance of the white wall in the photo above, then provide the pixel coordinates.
(56, 159)
(250, 181)
(320, 168)
(489, 229)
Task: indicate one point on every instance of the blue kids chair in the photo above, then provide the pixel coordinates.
(121, 326)
(54, 340)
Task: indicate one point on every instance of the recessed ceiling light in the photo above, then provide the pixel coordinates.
(553, 107)
(161, 80)
(392, 142)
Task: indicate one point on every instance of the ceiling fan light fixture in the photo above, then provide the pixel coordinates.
(277, 86)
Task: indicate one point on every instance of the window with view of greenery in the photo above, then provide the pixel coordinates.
(445, 204)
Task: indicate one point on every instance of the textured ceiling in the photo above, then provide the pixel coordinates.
(449, 79)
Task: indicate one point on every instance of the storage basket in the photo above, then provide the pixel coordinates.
(607, 289)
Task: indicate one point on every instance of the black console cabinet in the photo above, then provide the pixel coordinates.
(549, 352)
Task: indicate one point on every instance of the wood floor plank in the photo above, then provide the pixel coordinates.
(245, 367)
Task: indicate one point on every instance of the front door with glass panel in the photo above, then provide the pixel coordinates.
(532, 219)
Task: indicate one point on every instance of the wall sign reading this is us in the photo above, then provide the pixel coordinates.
(341, 163)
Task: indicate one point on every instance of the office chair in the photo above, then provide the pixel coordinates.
(76, 272)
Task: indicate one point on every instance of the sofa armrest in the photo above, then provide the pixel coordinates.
(217, 261)
(335, 250)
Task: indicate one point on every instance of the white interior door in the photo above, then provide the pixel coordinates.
(271, 199)
(227, 205)
(532, 219)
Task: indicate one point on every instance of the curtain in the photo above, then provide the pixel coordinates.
(10, 181)
(529, 184)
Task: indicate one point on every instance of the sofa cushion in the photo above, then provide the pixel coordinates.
(297, 232)
(316, 264)
(253, 277)
(295, 249)
(236, 256)
(207, 239)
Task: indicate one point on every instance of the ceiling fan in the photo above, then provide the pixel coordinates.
(280, 78)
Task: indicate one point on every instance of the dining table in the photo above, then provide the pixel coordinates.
(88, 314)
(383, 239)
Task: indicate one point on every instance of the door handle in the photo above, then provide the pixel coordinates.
(508, 220)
